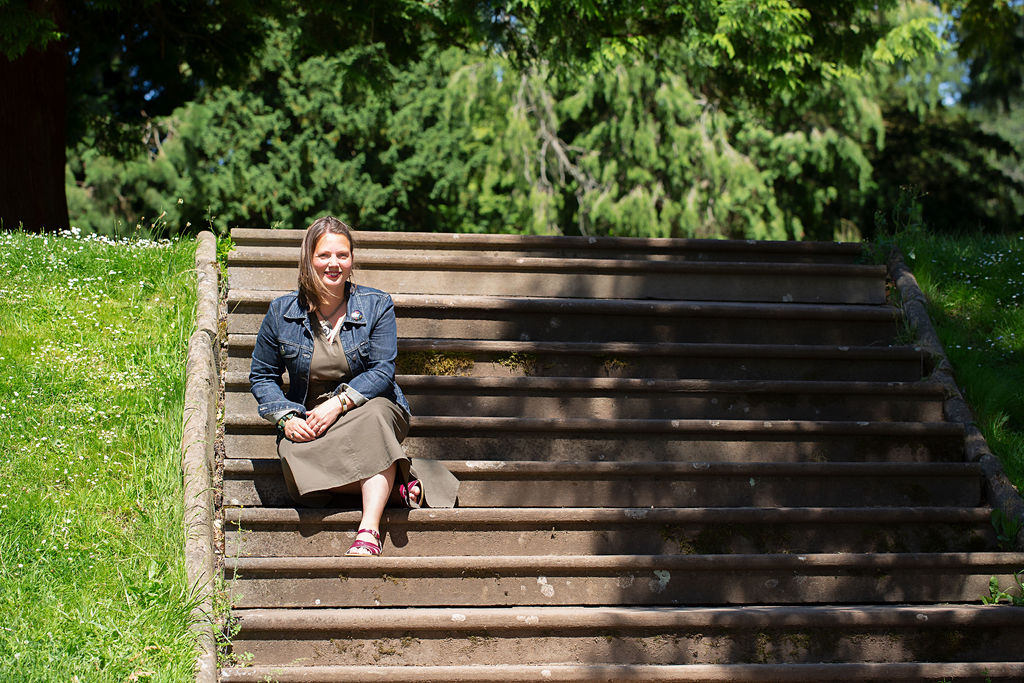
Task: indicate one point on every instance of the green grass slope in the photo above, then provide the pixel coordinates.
(93, 337)
(975, 287)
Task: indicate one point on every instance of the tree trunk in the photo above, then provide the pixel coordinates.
(33, 131)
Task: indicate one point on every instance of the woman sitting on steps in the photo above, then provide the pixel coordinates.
(343, 419)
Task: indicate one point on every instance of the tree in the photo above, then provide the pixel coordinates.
(946, 144)
(990, 40)
(111, 65)
(104, 68)
(465, 142)
(126, 62)
(33, 121)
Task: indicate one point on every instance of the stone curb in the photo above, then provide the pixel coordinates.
(1000, 492)
(206, 284)
(197, 440)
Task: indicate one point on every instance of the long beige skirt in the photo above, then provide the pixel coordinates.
(358, 445)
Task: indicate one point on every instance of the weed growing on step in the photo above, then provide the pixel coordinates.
(93, 336)
(975, 287)
(227, 627)
(1007, 528)
(226, 624)
(997, 595)
(225, 245)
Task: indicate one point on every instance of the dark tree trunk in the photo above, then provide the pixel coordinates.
(33, 130)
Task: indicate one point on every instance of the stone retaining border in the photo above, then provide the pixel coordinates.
(207, 272)
(1001, 493)
(197, 441)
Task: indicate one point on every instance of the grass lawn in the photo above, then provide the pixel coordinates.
(975, 287)
(93, 338)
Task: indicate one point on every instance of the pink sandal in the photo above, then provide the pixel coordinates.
(405, 493)
(373, 548)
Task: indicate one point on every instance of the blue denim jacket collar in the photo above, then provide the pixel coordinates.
(296, 312)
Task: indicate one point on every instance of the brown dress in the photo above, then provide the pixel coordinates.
(362, 442)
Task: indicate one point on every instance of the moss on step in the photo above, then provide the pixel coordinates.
(518, 363)
(613, 367)
(434, 363)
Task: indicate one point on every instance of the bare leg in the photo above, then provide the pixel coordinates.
(355, 488)
(375, 491)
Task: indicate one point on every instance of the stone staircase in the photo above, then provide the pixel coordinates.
(681, 460)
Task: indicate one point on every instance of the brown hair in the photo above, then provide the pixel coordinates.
(312, 291)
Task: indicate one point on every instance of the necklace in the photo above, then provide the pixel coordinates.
(331, 331)
(336, 309)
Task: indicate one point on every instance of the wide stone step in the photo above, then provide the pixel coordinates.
(573, 439)
(926, 672)
(537, 636)
(610, 398)
(624, 320)
(670, 399)
(420, 243)
(479, 358)
(616, 579)
(658, 484)
(263, 532)
(588, 278)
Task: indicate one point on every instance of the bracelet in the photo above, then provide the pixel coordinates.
(284, 418)
(344, 403)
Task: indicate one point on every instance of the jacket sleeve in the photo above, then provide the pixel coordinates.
(378, 377)
(267, 370)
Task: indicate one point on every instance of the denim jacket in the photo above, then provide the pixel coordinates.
(369, 336)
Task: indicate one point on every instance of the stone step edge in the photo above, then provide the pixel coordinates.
(365, 238)
(255, 257)
(522, 620)
(528, 565)
(639, 673)
(239, 381)
(563, 305)
(489, 425)
(247, 341)
(589, 516)
(596, 470)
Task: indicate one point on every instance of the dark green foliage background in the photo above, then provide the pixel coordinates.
(662, 139)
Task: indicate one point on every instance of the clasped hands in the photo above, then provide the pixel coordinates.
(317, 420)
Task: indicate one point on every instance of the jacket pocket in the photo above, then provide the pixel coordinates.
(358, 357)
(287, 351)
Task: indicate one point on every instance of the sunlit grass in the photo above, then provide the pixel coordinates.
(93, 336)
(975, 286)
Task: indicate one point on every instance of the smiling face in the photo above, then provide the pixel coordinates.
(332, 261)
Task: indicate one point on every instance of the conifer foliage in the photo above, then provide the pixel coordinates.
(769, 120)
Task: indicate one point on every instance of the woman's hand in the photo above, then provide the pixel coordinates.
(324, 415)
(298, 430)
